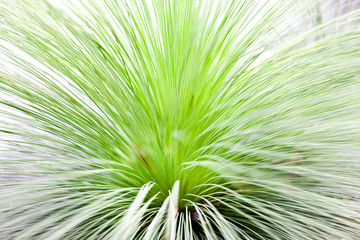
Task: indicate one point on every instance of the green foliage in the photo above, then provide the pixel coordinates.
(178, 119)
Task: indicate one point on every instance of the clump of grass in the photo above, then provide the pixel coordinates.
(178, 120)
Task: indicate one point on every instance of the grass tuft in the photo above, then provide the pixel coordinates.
(178, 120)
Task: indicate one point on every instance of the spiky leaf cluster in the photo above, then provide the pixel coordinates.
(178, 119)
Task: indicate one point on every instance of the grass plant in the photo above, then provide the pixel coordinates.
(178, 120)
